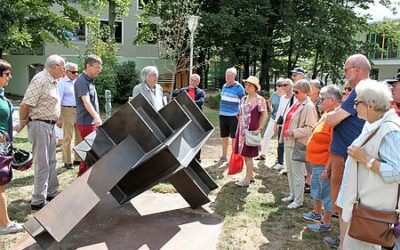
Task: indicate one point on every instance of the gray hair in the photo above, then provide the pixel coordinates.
(54, 60)
(303, 85)
(91, 59)
(316, 83)
(279, 81)
(196, 76)
(287, 81)
(373, 92)
(332, 91)
(148, 70)
(232, 71)
(70, 65)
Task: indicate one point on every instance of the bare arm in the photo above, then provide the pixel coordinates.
(336, 116)
(23, 116)
(89, 107)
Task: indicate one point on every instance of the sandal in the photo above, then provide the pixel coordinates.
(242, 183)
(260, 158)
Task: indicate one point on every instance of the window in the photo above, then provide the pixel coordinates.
(146, 33)
(118, 30)
(78, 34)
(33, 69)
(374, 75)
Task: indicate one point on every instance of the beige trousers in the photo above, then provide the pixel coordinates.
(68, 122)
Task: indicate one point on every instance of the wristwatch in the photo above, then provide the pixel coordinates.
(369, 163)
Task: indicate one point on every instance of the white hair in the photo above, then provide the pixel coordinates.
(54, 60)
(70, 65)
(148, 70)
(373, 92)
(332, 91)
(232, 71)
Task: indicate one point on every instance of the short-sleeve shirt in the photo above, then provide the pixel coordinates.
(230, 99)
(5, 112)
(275, 99)
(347, 130)
(84, 87)
(42, 97)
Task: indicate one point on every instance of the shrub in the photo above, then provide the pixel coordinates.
(212, 101)
(106, 80)
(127, 77)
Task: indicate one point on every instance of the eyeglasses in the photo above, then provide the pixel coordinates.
(73, 71)
(62, 68)
(282, 85)
(296, 91)
(324, 98)
(96, 66)
(8, 74)
(356, 102)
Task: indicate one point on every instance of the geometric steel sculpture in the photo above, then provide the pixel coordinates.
(135, 149)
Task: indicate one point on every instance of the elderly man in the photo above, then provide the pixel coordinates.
(197, 95)
(297, 73)
(40, 110)
(395, 83)
(347, 127)
(87, 103)
(149, 87)
(68, 113)
(231, 94)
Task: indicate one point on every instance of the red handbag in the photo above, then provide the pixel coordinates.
(236, 162)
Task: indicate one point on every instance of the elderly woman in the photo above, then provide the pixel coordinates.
(297, 127)
(6, 226)
(285, 103)
(252, 116)
(149, 87)
(372, 169)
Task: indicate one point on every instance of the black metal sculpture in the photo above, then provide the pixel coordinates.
(132, 151)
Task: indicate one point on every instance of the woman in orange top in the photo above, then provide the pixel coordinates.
(317, 155)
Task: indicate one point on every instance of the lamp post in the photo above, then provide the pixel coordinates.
(192, 25)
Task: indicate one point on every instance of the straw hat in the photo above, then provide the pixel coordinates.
(253, 80)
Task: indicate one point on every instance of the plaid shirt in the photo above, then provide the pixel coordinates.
(42, 96)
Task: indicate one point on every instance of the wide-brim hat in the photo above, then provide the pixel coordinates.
(298, 70)
(396, 79)
(253, 80)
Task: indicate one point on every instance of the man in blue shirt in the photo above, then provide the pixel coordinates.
(347, 127)
(231, 94)
(68, 113)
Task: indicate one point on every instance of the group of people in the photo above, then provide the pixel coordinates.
(60, 96)
(339, 144)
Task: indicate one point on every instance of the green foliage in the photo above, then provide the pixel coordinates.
(127, 77)
(212, 101)
(31, 23)
(107, 80)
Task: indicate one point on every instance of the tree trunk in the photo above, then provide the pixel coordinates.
(315, 71)
(112, 15)
(1, 52)
(246, 65)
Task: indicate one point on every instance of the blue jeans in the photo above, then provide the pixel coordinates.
(320, 189)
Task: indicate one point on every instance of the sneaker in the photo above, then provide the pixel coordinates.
(283, 172)
(288, 199)
(312, 216)
(221, 160)
(322, 228)
(278, 167)
(13, 227)
(307, 188)
(332, 242)
(260, 158)
(76, 162)
(294, 205)
(68, 166)
(242, 183)
(39, 206)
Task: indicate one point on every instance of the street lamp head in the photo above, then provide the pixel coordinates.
(192, 23)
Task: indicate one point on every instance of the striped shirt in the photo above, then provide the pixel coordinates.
(390, 157)
(230, 99)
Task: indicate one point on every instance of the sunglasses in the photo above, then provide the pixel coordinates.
(282, 85)
(348, 88)
(295, 91)
(7, 74)
(73, 71)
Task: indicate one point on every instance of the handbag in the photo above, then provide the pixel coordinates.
(280, 120)
(299, 152)
(236, 162)
(371, 225)
(6, 158)
(252, 139)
